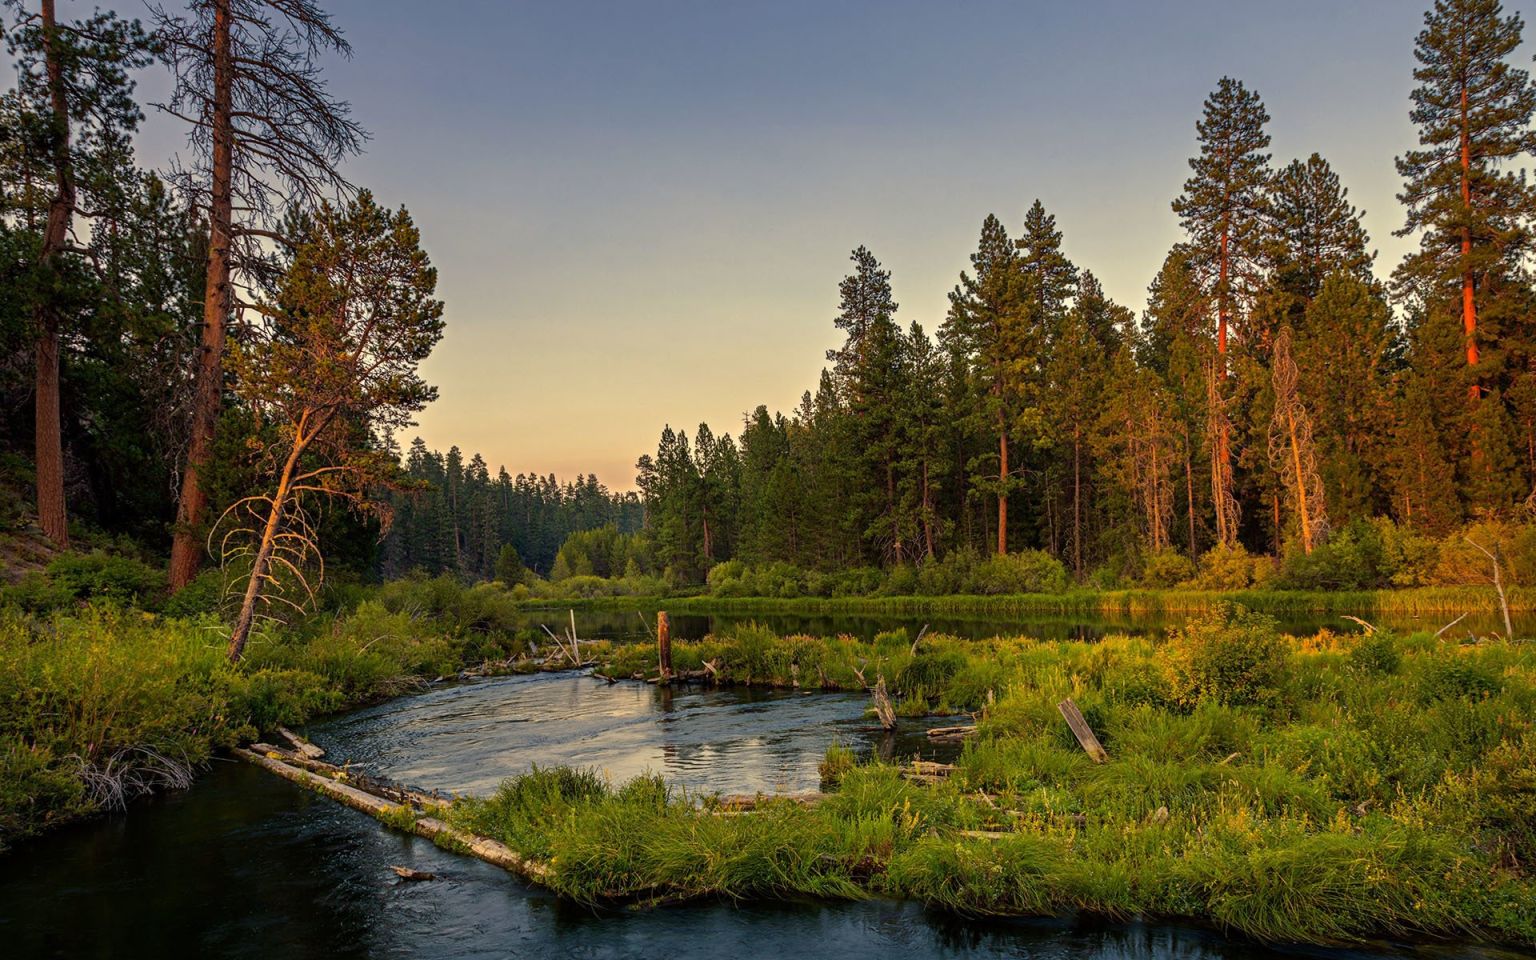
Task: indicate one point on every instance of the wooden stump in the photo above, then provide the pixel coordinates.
(1082, 731)
(664, 645)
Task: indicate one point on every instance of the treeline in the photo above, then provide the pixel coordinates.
(459, 519)
(1274, 390)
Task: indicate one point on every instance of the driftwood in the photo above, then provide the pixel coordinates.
(926, 771)
(952, 734)
(883, 708)
(378, 786)
(1082, 731)
(406, 873)
(1451, 624)
(396, 814)
(746, 802)
(300, 745)
(664, 645)
(1370, 628)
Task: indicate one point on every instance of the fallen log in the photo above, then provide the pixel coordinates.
(402, 817)
(300, 745)
(951, 734)
(378, 786)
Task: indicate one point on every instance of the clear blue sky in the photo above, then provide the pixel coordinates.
(640, 210)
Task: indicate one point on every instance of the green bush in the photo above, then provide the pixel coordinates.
(1226, 568)
(1231, 656)
(1028, 571)
(1167, 568)
(97, 575)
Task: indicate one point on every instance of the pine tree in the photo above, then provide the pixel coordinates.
(1318, 232)
(992, 324)
(1465, 195)
(1224, 209)
(1347, 352)
(74, 107)
(1040, 256)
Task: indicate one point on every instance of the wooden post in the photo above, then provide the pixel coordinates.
(1082, 731)
(664, 645)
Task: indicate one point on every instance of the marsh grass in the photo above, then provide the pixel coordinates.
(1327, 789)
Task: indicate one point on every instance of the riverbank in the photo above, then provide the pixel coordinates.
(1416, 601)
(101, 702)
(1325, 790)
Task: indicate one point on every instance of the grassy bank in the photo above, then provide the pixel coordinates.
(1365, 603)
(102, 700)
(1324, 790)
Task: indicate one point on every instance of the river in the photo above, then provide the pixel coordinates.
(245, 865)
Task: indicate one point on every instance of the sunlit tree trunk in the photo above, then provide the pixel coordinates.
(208, 389)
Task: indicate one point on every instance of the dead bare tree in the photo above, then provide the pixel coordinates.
(1495, 557)
(1291, 447)
(266, 136)
(333, 366)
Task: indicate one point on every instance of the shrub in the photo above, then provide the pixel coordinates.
(1028, 571)
(97, 575)
(1231, 656)
(1230, 568)
(1353, 558)
(1167, 568)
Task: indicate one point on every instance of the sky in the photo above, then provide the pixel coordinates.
(640, 211)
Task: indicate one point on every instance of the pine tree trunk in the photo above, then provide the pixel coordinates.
(1189, 500)
(1077, 501)
(48, 432)
(1301, 490)
(208, 389)
(1002, 493)
(1468, 299)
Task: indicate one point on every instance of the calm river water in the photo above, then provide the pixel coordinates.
(247, 865)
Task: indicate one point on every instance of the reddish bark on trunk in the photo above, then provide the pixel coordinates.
(186, 545)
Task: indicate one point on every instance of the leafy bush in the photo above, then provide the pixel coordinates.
(97, 575)
(1028, 571)
(1167, 568)
(1353, 558)
(1231, 656)
(1230, 568)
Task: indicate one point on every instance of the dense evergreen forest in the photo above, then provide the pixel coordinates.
(1280, 389)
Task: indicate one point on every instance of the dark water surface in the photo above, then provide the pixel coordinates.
(248, 865)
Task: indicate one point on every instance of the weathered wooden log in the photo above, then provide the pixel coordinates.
(402, 816)
(664, 645)
(883, 708)
(1082, 731)
(300, 745)
(381, 787)
(744, 802)
(950, 734)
